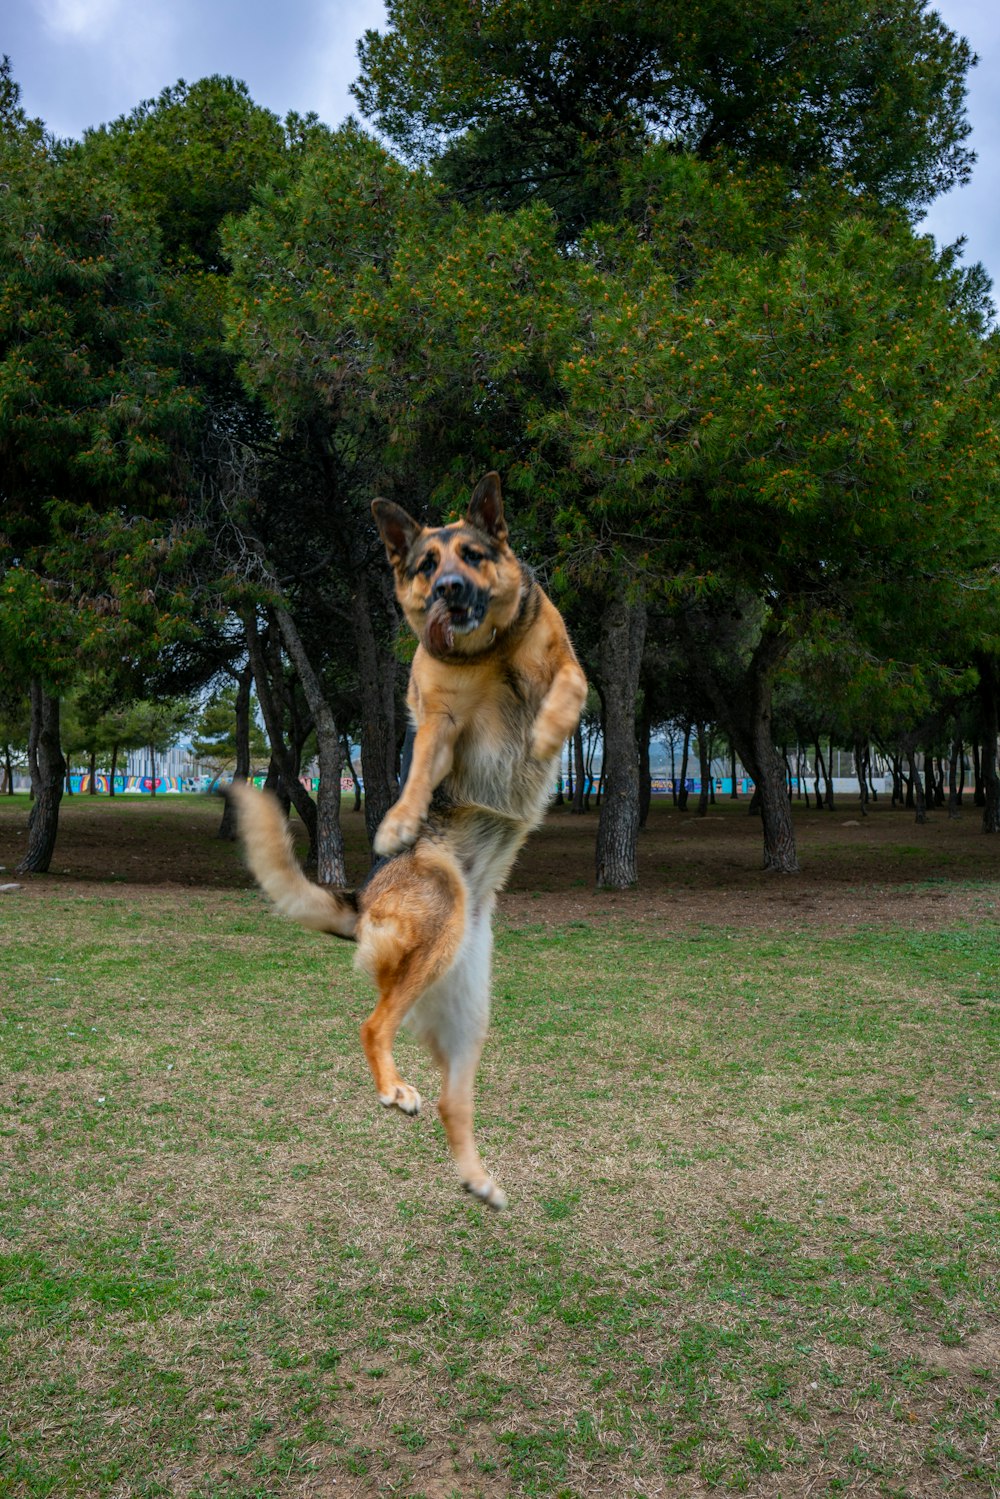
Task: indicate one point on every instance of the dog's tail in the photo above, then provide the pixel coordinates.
(267, 841)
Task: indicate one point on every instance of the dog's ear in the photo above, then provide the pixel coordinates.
(397, 529)
(486, 507)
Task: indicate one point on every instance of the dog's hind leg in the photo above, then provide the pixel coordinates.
(377, 1035)
(409, 933)
(452, 1020)
(455, 1107)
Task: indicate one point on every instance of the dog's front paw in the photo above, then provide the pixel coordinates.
(545, 741)
(397, 831)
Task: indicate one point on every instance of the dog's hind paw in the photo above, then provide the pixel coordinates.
(487, 1191)
(402, 1097)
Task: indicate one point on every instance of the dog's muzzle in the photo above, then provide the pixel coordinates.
(457, 607)
(464, 602)
(453, 589)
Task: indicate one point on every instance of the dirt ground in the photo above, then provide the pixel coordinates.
(693, 871)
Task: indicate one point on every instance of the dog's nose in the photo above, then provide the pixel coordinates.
(451, 587)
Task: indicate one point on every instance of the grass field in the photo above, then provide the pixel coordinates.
(751, 1147)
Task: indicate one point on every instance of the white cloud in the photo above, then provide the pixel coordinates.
(114, 52)
(89, 19)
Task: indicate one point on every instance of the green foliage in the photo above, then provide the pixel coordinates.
(730, 392)
(522, 99)
(159, 725)
(655, 265)
(809, 419)
(364, 300)
(214, 732)
(296, 259)
(88, 394)
(89, 724)
(15, 724)
(91, 409)
(191, 157)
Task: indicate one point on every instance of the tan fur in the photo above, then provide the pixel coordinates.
(267, 843)
(495, 690)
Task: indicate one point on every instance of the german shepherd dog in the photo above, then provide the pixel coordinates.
(495, 690)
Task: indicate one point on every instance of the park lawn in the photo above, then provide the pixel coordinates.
(752, 1244)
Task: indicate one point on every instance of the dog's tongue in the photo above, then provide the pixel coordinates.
(440, 632)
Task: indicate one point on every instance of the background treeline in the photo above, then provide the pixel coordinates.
(663, 276)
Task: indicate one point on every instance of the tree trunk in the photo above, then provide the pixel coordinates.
(979, 785)
(591, 755)
(916, 782)
(860, 753)
(775, 806)
(330, 868)
(152, 770)
(48, 772)
(291, 788)
(9, 770)
(92, 786)
(766, 763)
(352, 772)
(645, 775)
(953, 758)
(682, 779)
(734, 793)
(274, 782)
(372, 613)
(802, 775)
(989, 693)
(746, 709)
(704, 769)
(241, 770)
(623, 633)
(579, 787)
(114, 770)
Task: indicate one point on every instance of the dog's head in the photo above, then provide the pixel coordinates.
(460, 586)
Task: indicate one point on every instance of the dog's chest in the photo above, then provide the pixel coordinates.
(493, 765)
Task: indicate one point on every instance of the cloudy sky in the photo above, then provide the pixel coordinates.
(83, 62)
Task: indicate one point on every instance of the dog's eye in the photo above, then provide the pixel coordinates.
(428, 565)
(471, 557)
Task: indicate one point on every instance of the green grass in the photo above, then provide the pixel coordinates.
(753, 1242)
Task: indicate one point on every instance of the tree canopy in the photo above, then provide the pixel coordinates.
(518, 98)
(657, 265)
